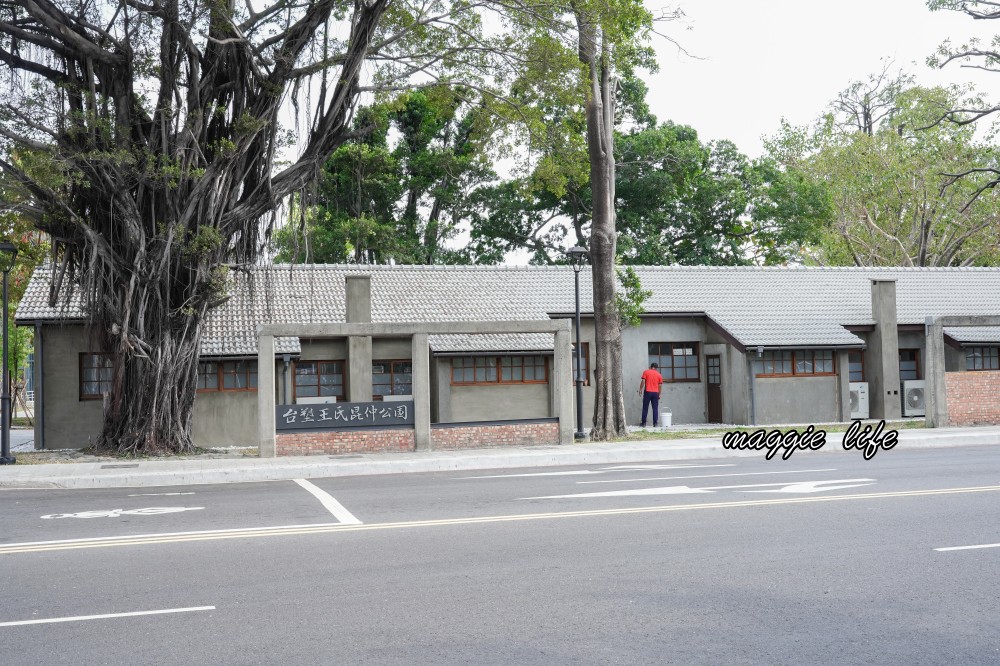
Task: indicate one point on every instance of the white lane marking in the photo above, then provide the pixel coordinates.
(583, 472)
(639, 468)
(117, 513)
(232, 531)
(708, 476)
(107, 615)
(982, 545)
(158, 494)
(331, 505)
(800, 487)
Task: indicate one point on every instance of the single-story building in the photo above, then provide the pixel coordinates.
(735, 346)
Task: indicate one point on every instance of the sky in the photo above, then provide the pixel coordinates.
(753, 62)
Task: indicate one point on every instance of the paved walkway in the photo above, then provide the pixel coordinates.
(125, 473)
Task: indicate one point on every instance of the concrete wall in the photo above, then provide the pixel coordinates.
(225, 418)
(796, 399)
(70, 423)
(686, 401)
(499, 402)
(954, 359)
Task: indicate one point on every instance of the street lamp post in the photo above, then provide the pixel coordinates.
(8, 253)
(578, 258)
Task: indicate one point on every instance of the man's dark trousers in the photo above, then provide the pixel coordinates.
(647, 398)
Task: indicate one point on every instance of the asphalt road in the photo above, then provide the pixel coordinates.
(822, 559)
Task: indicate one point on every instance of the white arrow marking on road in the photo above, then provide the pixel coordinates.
(798, 487)
(669, 490)
(708, 476)
(619, 468)
(816, 486)
(582, 472)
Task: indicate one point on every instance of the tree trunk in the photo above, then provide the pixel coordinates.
(609, 402)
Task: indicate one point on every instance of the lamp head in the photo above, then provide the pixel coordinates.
(8, 253)
(577, 257)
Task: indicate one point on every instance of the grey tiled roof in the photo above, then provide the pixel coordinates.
(974, 334)
(757, 306)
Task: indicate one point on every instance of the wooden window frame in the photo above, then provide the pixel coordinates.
(220, 386)
(916, 357)
(82, 367)
(696, 347)
(392, 377)
(343, 372)
(585, 346)
(794, 363)
(497, 366)
(861, 355)
(982, 355)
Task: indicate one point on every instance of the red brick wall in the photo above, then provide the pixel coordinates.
(334, 442)
(483, 436)
(973, 397)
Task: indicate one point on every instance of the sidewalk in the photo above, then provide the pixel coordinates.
(124, 473)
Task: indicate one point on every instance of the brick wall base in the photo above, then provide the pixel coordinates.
(973, 397)
(335, 442)
(485, 436)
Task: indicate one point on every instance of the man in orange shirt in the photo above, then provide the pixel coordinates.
(651, 386)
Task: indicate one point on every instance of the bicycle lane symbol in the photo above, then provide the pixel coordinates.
(116, 513)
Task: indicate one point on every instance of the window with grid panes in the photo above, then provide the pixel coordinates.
(392, 378)
(208, 376)
(499, 370)
(316, 379)
(238, 375)
(676, 361)
(982, 358)
(773, 364)
(856, 366)
(522, 369)
(909, 364)
(96, 372)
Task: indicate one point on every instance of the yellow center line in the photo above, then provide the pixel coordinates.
(242, 533)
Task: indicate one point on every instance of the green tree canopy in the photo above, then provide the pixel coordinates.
(892, 201)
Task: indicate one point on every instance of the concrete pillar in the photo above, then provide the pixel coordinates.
(265, 396)
(935, 397)
(561, 379)
(39, 387)
(421, 359)
(883, 351)
(358, 310)
(844, 384)
(358, 290)
(359, 369)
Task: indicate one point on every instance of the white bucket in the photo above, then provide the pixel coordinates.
(666, 418)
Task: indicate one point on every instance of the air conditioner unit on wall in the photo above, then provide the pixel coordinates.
(859, 399)
(913, 397)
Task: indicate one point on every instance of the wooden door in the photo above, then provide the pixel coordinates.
(714, 366)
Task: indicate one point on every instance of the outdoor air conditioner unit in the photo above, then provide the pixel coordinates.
(859, 400)
(913, 397)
